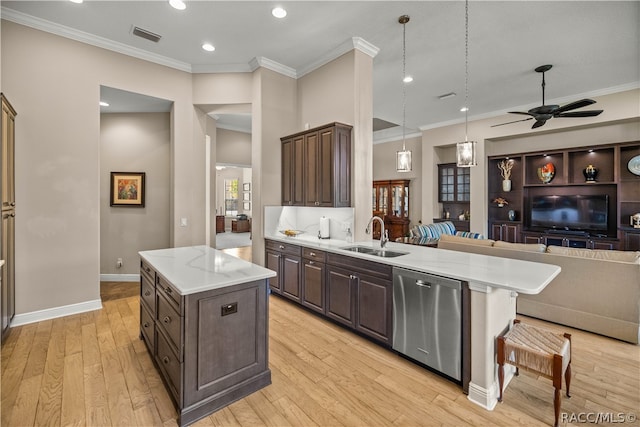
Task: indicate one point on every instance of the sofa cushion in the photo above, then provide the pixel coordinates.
(465, 240)
(433, 231)
(529, 247)
(470, 235)
(622, 256)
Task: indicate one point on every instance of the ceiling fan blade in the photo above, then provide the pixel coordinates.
(538, 123)
(521, 112)
(573, 105)
(588, 113)
(515, 121)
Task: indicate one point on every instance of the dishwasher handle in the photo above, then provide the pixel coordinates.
(423, 284)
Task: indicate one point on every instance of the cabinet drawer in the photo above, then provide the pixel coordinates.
(313, 254)
(148, 292)
(171, 293)
(169, 320)
(145, 268)
(147, 327)
(284, 248)
(170, 366)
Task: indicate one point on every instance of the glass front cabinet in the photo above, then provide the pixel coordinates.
(391, 203)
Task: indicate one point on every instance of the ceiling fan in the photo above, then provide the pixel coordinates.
(546, 112)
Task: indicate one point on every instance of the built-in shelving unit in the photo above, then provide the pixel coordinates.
(613, 179)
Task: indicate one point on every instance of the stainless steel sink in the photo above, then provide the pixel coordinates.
(385, 253)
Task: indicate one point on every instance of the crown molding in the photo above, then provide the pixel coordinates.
(357, 43)
(261, 61)
(83, 37)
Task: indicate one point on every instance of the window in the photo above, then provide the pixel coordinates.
(231, 197)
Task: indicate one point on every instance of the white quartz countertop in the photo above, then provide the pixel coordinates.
(520, 276)
(195, 269)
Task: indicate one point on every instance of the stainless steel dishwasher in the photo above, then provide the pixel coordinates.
(427, 320)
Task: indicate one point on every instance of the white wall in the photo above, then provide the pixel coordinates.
(134, 142)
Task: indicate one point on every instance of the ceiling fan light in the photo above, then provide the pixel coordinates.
(466, 154)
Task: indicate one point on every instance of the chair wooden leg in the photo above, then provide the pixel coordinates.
(500, 365)
(556, 406)
(567, 378)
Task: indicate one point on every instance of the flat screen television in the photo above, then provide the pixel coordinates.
(571, 212)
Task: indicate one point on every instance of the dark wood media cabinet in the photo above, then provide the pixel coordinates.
(614, 179)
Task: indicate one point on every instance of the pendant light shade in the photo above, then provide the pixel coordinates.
(403, 158)
(466, 151)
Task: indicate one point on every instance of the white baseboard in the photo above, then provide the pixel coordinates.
(52, 313)
(119, 277)
(488, 398)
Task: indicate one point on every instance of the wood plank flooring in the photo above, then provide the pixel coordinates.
(92, 369)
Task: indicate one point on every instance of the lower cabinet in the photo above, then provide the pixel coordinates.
(507, 232)
(571, 241)
(631, 240)
(210, 347)
(354, 292)
(285, 260)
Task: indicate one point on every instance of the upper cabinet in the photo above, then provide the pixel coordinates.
(316, 167)
(454, 183)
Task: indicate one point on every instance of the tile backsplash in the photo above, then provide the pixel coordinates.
(307, 220)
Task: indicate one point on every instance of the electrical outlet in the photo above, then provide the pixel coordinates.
(183, 222)
(119, 263)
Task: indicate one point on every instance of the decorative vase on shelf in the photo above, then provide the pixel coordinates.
(506, 185)
(590, 173)
(512, 215)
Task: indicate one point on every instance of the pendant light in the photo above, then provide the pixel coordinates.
(403, 158)
(466, 150)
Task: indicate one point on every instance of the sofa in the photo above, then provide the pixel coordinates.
(597, 290)
(432, 232)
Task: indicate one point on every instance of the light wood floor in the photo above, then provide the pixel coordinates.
(91, 369)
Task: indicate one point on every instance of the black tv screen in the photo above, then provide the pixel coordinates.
(573, 212)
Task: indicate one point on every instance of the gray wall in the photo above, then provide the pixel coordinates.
(134, 142)
(233, 148)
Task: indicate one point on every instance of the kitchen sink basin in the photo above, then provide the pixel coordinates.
(385, 253)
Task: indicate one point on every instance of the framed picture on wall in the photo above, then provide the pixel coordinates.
(246, 196)
(127, 189)
(246, 206)
(246, 186)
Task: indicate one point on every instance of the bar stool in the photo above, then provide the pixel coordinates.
(537, 350)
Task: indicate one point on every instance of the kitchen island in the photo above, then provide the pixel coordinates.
(493, 284)
(204, 319)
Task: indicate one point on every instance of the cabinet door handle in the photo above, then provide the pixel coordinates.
(311, 262)
(12, 203)
(312, 254)
(281, 246)
(146, 324)
(353, 277)
(168, 290)
(147, 293)
(147, 269)
(166, 360)
(167, 320)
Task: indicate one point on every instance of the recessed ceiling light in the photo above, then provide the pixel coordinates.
(279, 12)
(463, 109)
(178, 4)
(76, 1)
(208, 47)
(104, 104)
(407, 79)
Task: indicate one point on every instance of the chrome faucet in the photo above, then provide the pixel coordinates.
(384, 234)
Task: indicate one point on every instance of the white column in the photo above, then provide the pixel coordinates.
(492, 311)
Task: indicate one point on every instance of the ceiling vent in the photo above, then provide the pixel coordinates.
(145, 34)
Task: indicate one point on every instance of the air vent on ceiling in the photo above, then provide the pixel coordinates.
(145, 34)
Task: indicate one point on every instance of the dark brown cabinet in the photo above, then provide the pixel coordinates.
(316, 167)
(205, 371)
(507, 232)
(566, 176)
(285, 260)
(359, 295)
(631, 240)
(7, 194)
(391, 203)
(313, 279)
(219, 223)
